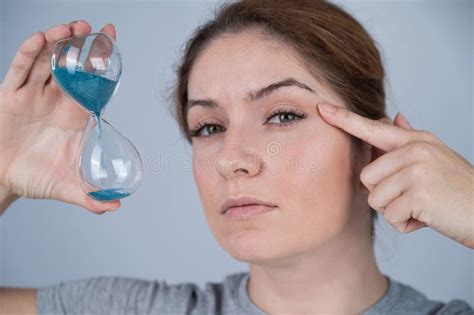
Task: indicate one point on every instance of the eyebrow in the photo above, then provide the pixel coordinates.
(253, 96)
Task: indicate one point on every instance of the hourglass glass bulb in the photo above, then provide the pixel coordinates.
(88, 68)
(109, 165)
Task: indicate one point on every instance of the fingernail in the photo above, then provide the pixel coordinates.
(327, 108)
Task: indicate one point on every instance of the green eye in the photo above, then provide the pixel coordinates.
(286, 116)
(196, 132)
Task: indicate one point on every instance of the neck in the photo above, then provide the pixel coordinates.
(340, 277)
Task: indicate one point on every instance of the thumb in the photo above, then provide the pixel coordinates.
(401, 121)
(98, 207)
(71, 192)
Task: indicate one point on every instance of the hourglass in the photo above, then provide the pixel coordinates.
(87, 68)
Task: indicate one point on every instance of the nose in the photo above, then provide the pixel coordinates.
(238, 157)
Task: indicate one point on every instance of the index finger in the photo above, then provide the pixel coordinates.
(384, 136)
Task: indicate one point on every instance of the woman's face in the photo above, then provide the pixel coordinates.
(302, 165)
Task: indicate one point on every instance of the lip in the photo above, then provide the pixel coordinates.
(244, 201)
(246, 212)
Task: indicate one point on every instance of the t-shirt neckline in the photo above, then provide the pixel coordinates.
(382, 306)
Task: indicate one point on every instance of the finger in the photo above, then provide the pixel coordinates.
(403, 215)
(384, 136)
(77, 28)
(99, 206)
(80, 27)
(376, 152)
(392, 162)
(413, 225)
(400, 120)
(71, 192)
(40, 70)
(98, 55)
(386, 120)
(109, 29)
(389, 189)
(23, 61)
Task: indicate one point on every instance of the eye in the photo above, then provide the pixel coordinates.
(196, 132)
(286, 116)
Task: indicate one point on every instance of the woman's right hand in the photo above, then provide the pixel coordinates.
(41, 127)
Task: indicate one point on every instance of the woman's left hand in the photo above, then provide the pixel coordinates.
(418, 180)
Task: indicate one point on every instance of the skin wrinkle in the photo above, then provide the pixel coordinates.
(315, 249)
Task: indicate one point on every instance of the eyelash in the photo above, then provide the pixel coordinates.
(299, 115)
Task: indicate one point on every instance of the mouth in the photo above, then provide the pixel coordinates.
(247, 211)
(246, 204)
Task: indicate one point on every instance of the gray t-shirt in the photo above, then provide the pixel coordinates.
(123, 295)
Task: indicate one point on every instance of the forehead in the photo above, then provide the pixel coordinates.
(233, 64)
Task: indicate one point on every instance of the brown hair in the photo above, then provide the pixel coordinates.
(332, 44)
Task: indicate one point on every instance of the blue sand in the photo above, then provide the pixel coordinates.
(108, 194)
(91, 91)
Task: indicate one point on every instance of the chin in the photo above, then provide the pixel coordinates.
(271, 248)
(252, 246)
(246, 244)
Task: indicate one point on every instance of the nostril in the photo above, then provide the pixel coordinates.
(241, 169)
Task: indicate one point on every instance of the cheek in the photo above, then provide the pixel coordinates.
(203, 173)
(317, 188)
(209, 184)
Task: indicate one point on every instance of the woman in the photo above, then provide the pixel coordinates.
(249, 98)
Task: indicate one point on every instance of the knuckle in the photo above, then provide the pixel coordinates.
(421, 149)
(19, 67)
(365, 175)
(345, 114)
(428, 136)
(50, 30)
(419, 195)
(49, 34)
(373, 126)
(28, 53)
(372, 200)
(417, 172)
